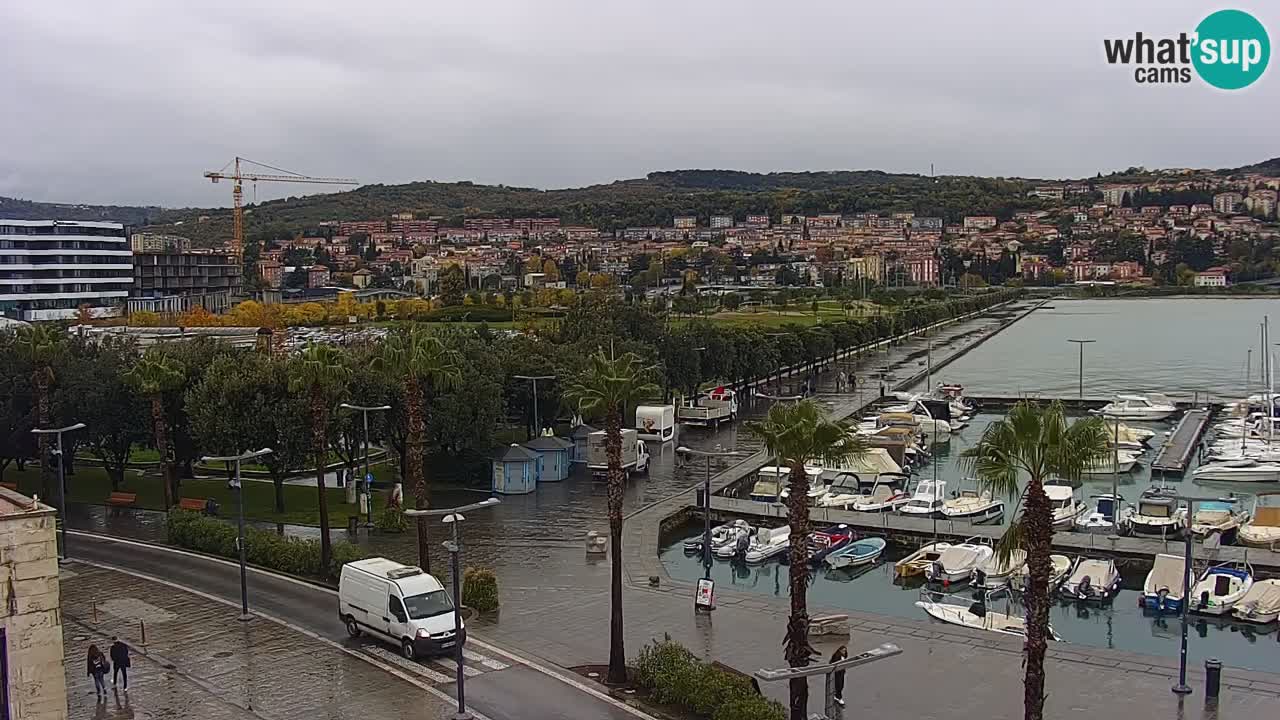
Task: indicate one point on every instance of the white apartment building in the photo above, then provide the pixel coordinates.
(49, 268)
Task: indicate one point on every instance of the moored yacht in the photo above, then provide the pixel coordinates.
(1066, 507)
(956, 563)
(1217, 516)
(994, 573)
(1261, 604)
(1242, 470)
(1093, 580)
(1263, 529)
(927, 500)
(974, 506)
(1220, 588)
(1158, 514)
(1151, 406)
(1110, 514)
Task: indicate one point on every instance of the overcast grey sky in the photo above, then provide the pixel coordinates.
(128, 101)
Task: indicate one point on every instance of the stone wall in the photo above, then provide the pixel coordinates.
(30, 612)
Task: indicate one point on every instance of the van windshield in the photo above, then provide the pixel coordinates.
(428, 604)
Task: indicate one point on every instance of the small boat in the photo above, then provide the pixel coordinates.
(1263, 529)
(927, 500)
(1220, 588)
(1067, 508)
(1093, 580)
(1158, 514)
(1128, 437)
(956, 563)
(1221, 517)
(1121, 461)
(817, 485)
(1152, 406)
(1102, 519)
(856, 553)
(768, 544)
(1261, 604)
(1163, 589)
(721, 535)
(771, 483)
(737, 548)
(977, 616)
(917, 562)
(1060, 567)
(827, 540)
(1244, 470)
(888, 494)
(844, 489)
(994, 574)
(973, 506)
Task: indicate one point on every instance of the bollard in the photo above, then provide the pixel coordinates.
(143, 627)
(95, 611)
(353, 524)
(1212, 678)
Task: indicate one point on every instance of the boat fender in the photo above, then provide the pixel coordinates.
(1160, 598)
(980, 577)
(1204, 599)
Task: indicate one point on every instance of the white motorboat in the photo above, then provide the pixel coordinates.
(956, 563)
(1158, 514)
(877, 494)
(1221, 517)
(857, 553)
(1263, 528)
(1093, 580)
(1059, 568)
(1151, 406)
(1220, 588)
(973, 506)
(1261, 604)
(843, 490)
(1163, 589)
(888, 494)
(1122, 461)
(917, 562)
(1108, 510)
(1128, 437)
(768, 544)
(1067, 508)
(1246, 470)
(927, 499)
(721, 536)
(994, 574)
(977, 616)
(772, 480)
(738, 548)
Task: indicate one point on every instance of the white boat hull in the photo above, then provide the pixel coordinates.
(1263, 472)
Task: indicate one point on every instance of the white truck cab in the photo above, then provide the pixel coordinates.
(398, 604)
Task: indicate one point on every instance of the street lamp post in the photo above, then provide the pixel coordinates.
(62, 479)
(1082, 343)
(1182, 688)
(706, 501)
(454, 517)
(238, 486)
(535, 378)
(368, 476)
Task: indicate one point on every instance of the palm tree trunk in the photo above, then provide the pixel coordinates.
(40, 380)
(797, 638)
(617, 483)
(318, 422)
(413, 463)
(162, 447)
(1038, 527)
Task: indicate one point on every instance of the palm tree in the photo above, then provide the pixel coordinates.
(611, 387)
(420, 361)
(798, 433)
(40, 345)
(320, 373)
(154, 375)
(1034, 441)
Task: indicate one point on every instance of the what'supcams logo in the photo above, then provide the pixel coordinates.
(1229, 50)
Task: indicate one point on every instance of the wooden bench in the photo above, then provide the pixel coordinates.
(9, 486)
(122, 499)
(195, 504)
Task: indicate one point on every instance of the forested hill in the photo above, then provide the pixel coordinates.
(17, 209)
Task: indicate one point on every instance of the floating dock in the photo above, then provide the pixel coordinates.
(1176, 452)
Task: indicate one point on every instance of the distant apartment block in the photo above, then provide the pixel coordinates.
(685, 222)
(1114, 195)
(178, 281)
(721, 221)
(402, 216)
(272, 273)
(361, 226)
(1048, 192)
(1213, 277)
(979, 222)
(49, 268)
(1262, 202)
(413, 226)
(826, 220)
(757, 221)
(1227, 202)
(317, 276)
(486, 224)
(793, 219)
(870, 267)
(156, 242)
(926, 223)
(923, 270)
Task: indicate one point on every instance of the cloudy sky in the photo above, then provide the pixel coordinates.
(128, 101)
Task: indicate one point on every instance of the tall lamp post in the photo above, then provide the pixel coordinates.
(1182, 688)
(62, 479)
(236, 485)
(1082, 343)
(535, 378)
(368, 476)
(706, 501)
(453, 516)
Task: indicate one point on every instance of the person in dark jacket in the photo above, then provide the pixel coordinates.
(98, 668)
(841, 653)
(119, 661)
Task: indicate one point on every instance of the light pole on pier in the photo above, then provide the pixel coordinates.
(1082, 343)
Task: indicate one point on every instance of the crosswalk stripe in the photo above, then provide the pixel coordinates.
(486, 661)
(386, 655)
(452, 667)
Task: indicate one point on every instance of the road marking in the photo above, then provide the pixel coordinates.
(418, 669)
(437, 692)
(452, 667)
(471, 638)
(484, 660)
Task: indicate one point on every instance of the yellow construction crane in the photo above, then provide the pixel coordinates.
(237, 194)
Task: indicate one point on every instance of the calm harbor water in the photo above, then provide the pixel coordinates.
(1174, 345)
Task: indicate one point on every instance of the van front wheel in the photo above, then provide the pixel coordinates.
(406, 649)
(352, 628)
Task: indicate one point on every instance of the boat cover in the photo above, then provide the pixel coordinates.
(1168, 573)
(1263, 598)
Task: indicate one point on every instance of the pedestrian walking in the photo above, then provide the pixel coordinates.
(841, 653)
(119, 662)
(98, 667)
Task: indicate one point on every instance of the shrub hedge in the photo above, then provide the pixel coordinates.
(673, 676)
(480, 589)
(294, 556)
(391, 519)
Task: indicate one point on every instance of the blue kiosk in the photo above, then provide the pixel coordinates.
(579, 437)
(516, 471)
(555, 453)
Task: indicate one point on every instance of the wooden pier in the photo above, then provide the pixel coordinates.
(1175, 455)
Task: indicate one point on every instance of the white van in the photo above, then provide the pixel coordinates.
(399, 604)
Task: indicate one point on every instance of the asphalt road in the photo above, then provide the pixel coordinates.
(519, 692)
